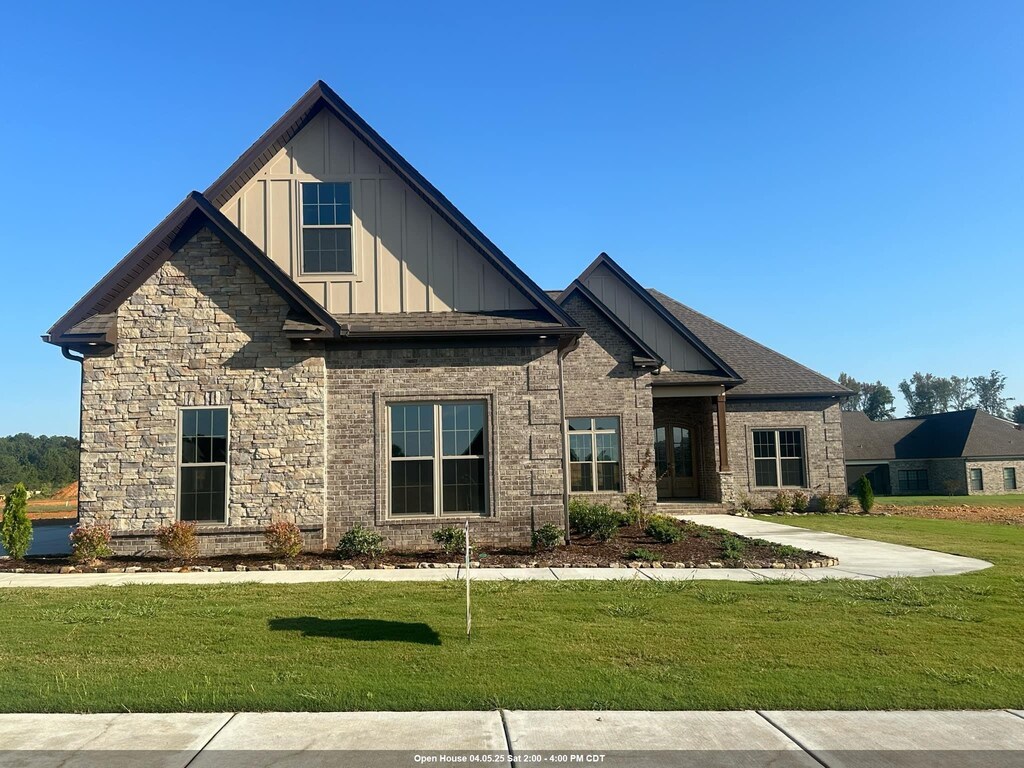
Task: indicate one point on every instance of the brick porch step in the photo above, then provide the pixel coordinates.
(692, 508)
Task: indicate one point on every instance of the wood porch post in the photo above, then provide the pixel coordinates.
(723, 442)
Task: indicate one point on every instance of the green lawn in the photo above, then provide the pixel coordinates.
(1003, 500)
(947, 642)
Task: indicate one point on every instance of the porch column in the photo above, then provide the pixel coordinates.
(723, 442)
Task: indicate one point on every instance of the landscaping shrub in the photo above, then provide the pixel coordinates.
(181, 539)
(781, 503)
(90, 543)
(634, 508)
(361, 542)
(548, 536)
(598, 521)
(283, 539)
(744, 503)
(451, 539)
(845, 503)
(663, 529)
(865, 494)
(800, 501)
(15, 527)
(829, 503)
(733, 547)
(644, 555)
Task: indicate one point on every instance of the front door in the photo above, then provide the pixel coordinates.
(675, 462)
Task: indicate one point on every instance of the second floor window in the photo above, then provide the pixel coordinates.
(326, 227)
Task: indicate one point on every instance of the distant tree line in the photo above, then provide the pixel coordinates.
(927, 393)
(42, 463)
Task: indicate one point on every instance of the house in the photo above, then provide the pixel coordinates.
(954, 453)
(322, 337)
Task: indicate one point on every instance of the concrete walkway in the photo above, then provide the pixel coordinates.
(858, 559)
(636, 739)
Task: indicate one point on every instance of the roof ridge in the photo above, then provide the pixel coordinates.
(658, 297)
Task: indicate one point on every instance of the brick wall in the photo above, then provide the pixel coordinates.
(600, 380)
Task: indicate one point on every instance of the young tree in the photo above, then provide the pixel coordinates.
(989, 391)
(15, 527)
(920, 394)
(850, 403)
(1018, 414)
(865, 494)
(878, 402)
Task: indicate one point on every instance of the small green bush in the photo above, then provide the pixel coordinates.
(733, 547)
(451, 539)
(90, 543)
(634, 508)
(644, 555)
(548, 536)
(283, 539)
(744, 503)
(781, 502)
(829, 503)
(361, 542)
(181, 539)
(865, 494)
(800, 501)
(663, 529)
(598, 521)
(845, 503)
(15, 527)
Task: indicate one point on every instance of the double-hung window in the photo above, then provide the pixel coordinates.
(779, 458)
(438, 459)
(977, 482)
(326, 227)
(1009, 479)
(203, 472)
(594, 455)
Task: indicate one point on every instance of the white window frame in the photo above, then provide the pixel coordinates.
(438, 458)
(351, 227)
(594, 432)
(179, 447)
(778, 457)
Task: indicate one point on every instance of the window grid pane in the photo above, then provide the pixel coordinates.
(778, 458)
(204, 441)
(594, 460)
(326, 227)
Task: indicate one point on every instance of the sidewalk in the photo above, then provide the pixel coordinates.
(636, 739)
(858, 559)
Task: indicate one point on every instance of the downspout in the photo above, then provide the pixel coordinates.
(81, 415)
(562, 353)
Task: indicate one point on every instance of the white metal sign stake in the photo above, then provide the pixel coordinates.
(469, 615)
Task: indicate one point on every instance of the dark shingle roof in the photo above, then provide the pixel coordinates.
(957, 434)
(764, 371)
(683, 378)
(448, 323)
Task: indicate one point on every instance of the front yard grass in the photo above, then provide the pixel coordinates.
(942, 642)
(1001, 500)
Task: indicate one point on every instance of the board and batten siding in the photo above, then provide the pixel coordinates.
(677, 352)
(406, 258)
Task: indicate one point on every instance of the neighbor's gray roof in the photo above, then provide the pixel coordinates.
(764, 371)
(957, 434)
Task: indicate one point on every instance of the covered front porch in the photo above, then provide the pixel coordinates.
(691, 452)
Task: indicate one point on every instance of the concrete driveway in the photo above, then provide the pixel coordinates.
(993, 739)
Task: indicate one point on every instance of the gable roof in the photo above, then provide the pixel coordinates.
(765, 372)
(193, 213)
(321, 97)
(972, 433)
(603, 259)
(648, 352)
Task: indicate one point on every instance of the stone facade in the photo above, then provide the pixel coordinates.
(601, 380)
(951, 477)
(820, 421)
(203, 330)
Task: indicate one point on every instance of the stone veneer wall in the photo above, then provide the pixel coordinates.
(600, 380)
(951, 477)
(519, 385)
(992, 475)
(203, 330)
(821, 423)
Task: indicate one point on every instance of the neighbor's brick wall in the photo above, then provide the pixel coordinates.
(600, 380)
(520, 385)
(823, 442)
(945, 476)
(203, 330)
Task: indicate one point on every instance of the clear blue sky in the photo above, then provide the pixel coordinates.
(842, 181)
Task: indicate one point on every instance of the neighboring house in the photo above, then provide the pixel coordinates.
(322, 337)
(954, 453)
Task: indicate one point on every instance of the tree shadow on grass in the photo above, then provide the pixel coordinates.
(359, 629)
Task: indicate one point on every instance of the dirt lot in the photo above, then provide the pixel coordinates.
(1007, 515)
(62, 505)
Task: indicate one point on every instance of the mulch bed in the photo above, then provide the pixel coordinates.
(700, 547)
